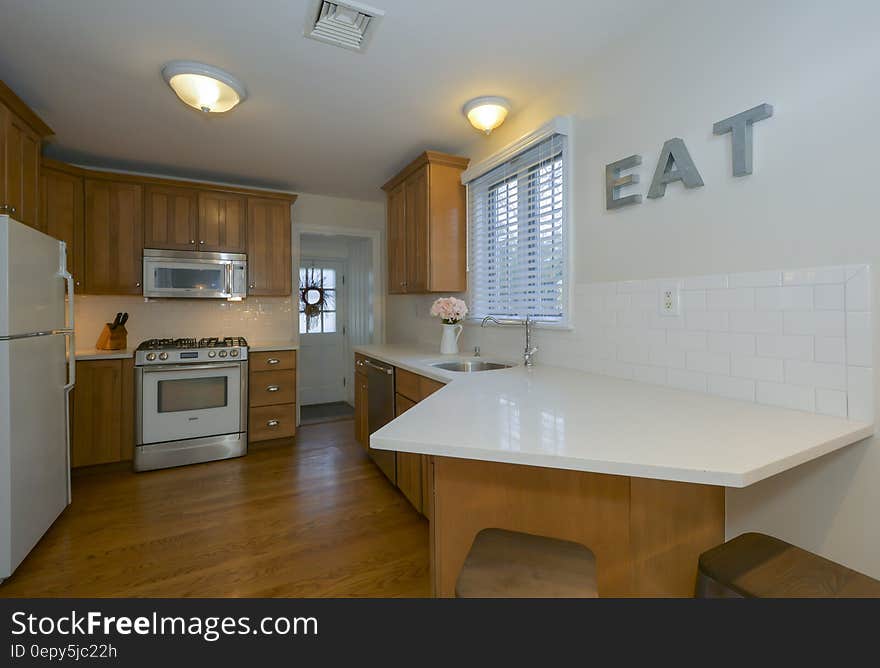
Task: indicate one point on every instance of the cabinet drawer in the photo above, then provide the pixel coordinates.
(415, 387)
(267, 422)
(272, 387)
(272, 361)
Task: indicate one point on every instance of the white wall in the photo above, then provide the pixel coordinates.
(809, 202)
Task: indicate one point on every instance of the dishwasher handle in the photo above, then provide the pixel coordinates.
(378, 367)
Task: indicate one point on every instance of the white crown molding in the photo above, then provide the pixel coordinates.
(560, 125)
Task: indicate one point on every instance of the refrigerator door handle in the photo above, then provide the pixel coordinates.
(71, 358)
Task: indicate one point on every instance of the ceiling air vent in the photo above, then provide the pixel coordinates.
(345, 24)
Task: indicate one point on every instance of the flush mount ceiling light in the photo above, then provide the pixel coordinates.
(204, 87)
(486, 113)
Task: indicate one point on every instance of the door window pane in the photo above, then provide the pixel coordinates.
(321, 317)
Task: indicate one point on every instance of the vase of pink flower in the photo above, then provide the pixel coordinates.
(451, 312)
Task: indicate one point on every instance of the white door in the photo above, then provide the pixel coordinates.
(322, 333)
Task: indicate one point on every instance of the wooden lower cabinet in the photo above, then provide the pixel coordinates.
(361, 404)
(271, 395)
(102, 412)
(409, 465)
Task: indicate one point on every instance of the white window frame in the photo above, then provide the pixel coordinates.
(561, 125)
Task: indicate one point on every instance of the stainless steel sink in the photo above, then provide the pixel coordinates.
(469, 366)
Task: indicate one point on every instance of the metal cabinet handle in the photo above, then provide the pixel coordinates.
(137, 285)
(4, 208)
(12, 210)
(252, 286)
(78, 283)
(272, 423)
(360, 363)
(192, 242)
(201, 243)
(272, 388)
(273, 361)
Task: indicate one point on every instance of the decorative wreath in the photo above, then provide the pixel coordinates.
(312, 294)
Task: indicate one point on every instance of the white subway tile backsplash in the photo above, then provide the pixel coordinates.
(732, 299)
(815, 374)
(801, 339)
(831, 402)
(785, 347)
(710, 321)
(755, 279)
(756, 322)
(732, 388)
(655, 375)
(829, 297)
(831, 349)
(858, 339)
(724, 342)
(858, 291)
(815, 323)
(814, 276)
(794, 298)
(687, 340)
(687, 380)
(709, 362)
(860, 393)
(759, 368)
(786, 396)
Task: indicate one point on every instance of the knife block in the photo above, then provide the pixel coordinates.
(112, 339)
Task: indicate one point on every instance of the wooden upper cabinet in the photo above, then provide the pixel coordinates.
(221, 222)
(268, 247)
(171, 218)
(427, 229)
(397, 239)
(61, 216)
(114, 237)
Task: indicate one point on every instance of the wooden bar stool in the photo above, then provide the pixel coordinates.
(755, 565)
(509, 564)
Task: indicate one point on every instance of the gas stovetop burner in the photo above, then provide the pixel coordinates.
(190, 350)
(182, 343)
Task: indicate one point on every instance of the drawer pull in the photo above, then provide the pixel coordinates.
(272, 388)
(272, 423)
(273, 361)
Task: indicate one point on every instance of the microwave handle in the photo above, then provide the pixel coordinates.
(230, 286)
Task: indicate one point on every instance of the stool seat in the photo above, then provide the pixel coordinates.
(510, 564)
(755, 565)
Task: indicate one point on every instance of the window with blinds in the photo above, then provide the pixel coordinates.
(518, 236)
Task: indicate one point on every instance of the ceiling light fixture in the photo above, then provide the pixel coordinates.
(486, 113)
(204, 87)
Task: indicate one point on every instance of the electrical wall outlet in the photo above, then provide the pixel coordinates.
(670, 300)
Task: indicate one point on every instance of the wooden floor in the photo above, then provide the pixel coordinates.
(314, 519)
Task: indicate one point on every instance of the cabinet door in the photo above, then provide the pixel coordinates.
(114, 237)
(417, 231)
(268, 247)
(98, 413)
(409, 465)
(61, 216)
(221, 222)
(22, 169)
(397, 240)
(361, 410)
(171, 218)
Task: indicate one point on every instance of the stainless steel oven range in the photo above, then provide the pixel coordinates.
(191, 401)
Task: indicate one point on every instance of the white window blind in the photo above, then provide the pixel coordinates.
(518, 236)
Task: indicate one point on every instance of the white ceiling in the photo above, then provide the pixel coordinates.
(318, 118)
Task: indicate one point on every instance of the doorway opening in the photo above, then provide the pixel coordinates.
(335, 305)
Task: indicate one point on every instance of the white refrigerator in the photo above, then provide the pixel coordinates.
(36, 375)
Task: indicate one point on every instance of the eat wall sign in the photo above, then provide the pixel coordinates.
(676, 164)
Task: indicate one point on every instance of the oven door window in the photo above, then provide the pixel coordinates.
(192, 394)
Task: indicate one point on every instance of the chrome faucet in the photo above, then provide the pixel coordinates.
(529, 350)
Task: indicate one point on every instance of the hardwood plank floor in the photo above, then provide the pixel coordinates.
(313, 519)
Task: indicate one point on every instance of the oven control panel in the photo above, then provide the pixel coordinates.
(193, 356)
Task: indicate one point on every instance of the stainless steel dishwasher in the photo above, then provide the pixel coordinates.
(380, 379)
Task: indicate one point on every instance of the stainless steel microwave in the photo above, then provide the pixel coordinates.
(193, 274)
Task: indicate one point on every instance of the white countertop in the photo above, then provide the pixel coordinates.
(95, 354)
(271, 346)
(560, 418)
